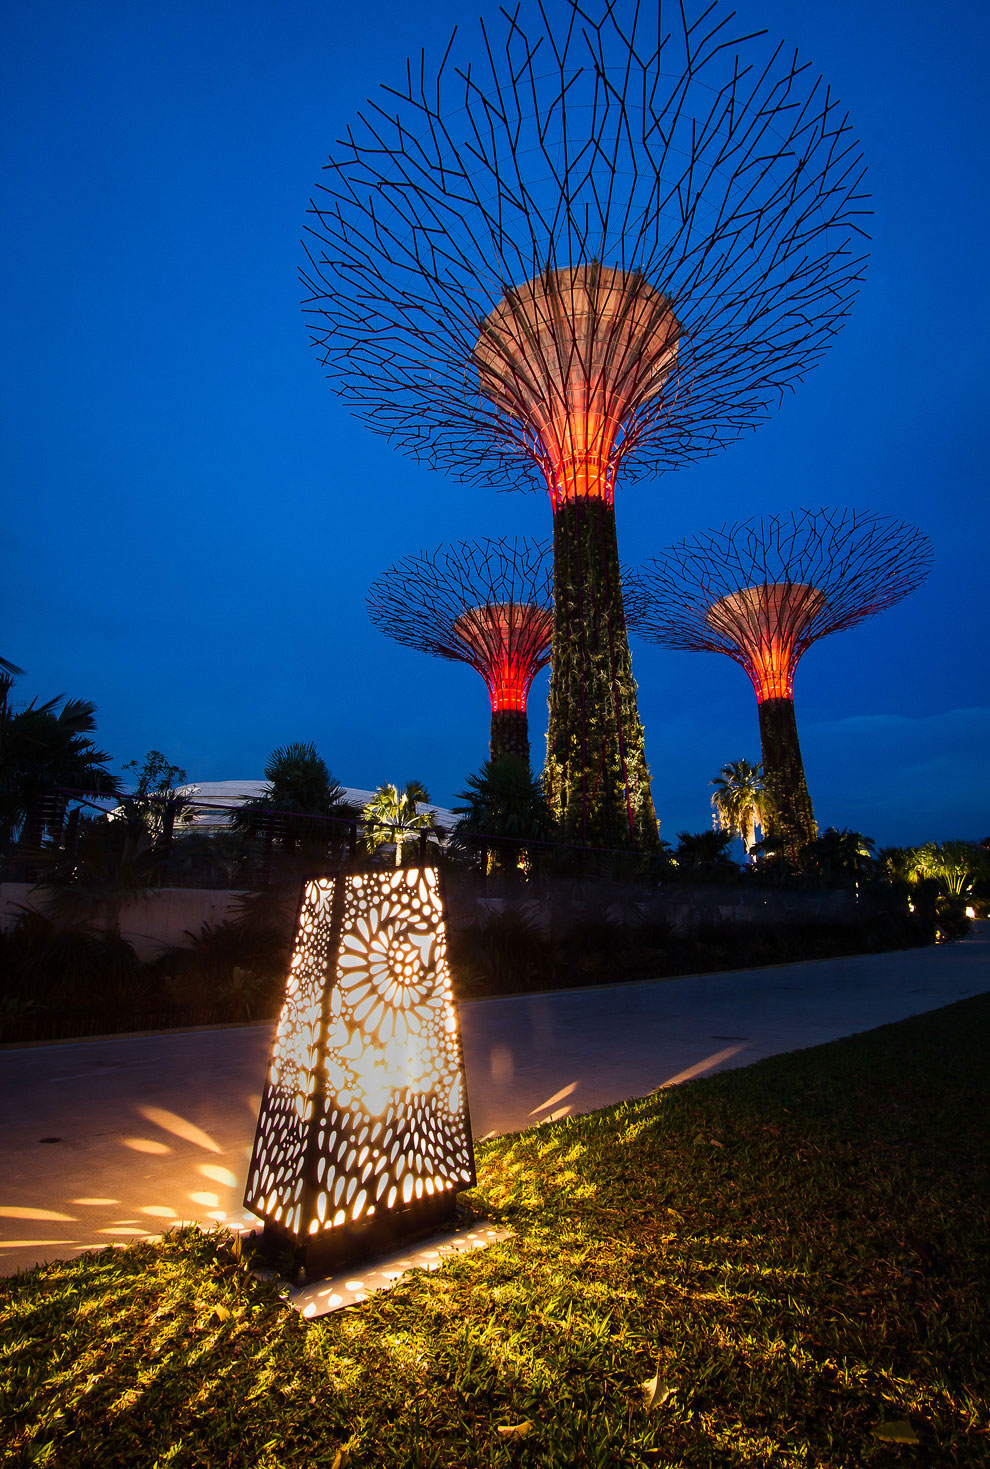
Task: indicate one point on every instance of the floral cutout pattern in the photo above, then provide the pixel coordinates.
(365, 1107)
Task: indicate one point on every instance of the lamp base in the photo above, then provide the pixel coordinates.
(318, 1255)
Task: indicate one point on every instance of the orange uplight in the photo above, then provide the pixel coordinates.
(508, 643)
(766, 628)
(572, 356)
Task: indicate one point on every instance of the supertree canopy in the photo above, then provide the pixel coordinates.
(763, 591)
(616, 241)
(486, 603)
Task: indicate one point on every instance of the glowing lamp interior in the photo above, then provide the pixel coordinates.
(767, 629)
(572, 355)
(364, 1110)
(508, 643)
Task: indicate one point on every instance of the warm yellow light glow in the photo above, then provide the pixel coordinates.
(19, 1211)
(565, 1091)
(33, 1244)
(180, 1127)
(218, 1175)
(145, 1145)
(374, 1069)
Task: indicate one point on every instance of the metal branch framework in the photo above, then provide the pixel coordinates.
(762, 591)
(713, 178)
(615, 242)
(485, 603)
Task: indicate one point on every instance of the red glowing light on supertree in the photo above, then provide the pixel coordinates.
(762, 592)
(767, 625)
(484, 603)
(573, 356)
(510, 644)
(607, 244)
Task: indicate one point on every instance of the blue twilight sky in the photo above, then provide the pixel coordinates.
(192, 518)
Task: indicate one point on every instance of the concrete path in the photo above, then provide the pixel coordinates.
(105, 1141)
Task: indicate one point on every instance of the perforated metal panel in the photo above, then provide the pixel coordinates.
(364, 1113)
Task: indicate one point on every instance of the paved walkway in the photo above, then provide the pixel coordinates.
(111, 1140)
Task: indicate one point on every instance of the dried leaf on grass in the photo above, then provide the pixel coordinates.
(655, 1393)
(895, 1430)
(511, 1432)
(340, 1458)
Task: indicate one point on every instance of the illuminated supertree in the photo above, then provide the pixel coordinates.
(486, 603)
(763, 591)
(607, 244)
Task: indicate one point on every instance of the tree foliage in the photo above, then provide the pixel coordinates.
(738, 801)
(504, 799)
(704, 854)
(955, 865)
(44, 746)
(394, 816)
(839, 856)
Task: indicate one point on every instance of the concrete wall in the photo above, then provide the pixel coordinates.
(156, 922)
(685, 907)
(162, 919)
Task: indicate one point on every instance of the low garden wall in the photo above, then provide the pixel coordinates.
(162, 920)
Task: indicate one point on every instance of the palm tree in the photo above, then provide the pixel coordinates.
(953, 865)
(43, 746)
(739, 801)
(393, 815)
(705, 854)
(300, 784)
(116, 863)
(507, 802)
(839, 854)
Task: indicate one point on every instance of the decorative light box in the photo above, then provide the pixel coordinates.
(364, 1136)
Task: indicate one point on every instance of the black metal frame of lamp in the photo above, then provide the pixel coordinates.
(318, 1156)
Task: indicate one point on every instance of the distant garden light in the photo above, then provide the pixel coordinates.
(363, 1137)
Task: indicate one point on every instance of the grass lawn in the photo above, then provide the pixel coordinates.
(794, 1257)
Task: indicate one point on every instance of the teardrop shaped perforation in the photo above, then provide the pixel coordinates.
(377, 1115)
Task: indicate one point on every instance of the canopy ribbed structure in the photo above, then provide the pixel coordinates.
(484, 603)
(762, 591)
(765, 625)
(613, 243)
(570, 356)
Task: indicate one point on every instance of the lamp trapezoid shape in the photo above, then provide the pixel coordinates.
(364, 1136)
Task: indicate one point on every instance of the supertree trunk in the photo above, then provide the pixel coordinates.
(790, 817)
(510, 734)
(596, 775)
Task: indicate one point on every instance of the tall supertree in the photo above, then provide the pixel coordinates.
(762, 591)
(486, 603)
(616, 241)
